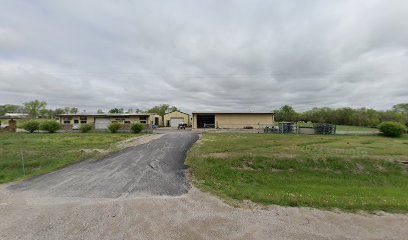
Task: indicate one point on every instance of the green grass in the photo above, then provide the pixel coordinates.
(354, 128)
(341, 127)
(43, 152)
(344, 172)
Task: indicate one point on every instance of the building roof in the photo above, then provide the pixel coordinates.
(177, 111)
(16, 114)
(104, 114)
(231, 112)
(10, 117)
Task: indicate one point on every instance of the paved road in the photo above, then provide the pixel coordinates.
(154, 168)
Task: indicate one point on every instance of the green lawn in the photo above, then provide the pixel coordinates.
(44, 152)
(341, 127)
(345, 172)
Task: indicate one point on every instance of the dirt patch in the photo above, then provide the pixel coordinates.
(132, 142)
(221, 155)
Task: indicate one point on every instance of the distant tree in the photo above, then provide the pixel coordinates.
(116, 110)
(59, 111)
(162, 109)
(33, 107)
(286, 113)
(43, 112)
(402, 107)
(47, 113)
(73, 110)
(10, 108)
(100, 111)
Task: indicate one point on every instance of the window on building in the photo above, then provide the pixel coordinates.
(67, 120)
(143, 119)
(76, 121)
(83, 121)
(127, 122)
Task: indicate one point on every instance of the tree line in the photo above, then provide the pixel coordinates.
(365, 117)
(37, 108)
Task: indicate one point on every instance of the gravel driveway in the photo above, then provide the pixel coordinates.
(141, 193)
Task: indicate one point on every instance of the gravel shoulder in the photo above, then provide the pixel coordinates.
(195, 215)
(83, 202)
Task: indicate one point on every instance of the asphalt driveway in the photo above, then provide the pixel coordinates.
(154, 168)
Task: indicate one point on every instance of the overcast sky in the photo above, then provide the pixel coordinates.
(249, 55)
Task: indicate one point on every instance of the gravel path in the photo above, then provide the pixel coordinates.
(141, 193)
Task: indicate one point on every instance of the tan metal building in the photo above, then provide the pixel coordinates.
(232, 120)
(173, 119)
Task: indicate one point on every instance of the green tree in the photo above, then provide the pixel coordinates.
(286, 113)
(33, 107)
(401, 107)
(73, 110)
(116, 110)
(10, 108)
(58, 111)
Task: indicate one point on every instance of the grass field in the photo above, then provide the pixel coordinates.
(345, 172)
(44, 152)
(341, 127)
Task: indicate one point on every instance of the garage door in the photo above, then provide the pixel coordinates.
(102, 123)
(174, 122)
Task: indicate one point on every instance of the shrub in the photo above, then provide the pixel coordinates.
(392, 129)
(31, 126)
(137, 127)
(85, 127)
(114, 127)
(50, 126)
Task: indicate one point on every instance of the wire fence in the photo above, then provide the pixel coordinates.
(278, 127)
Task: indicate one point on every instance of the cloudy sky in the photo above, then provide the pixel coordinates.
(204, 55)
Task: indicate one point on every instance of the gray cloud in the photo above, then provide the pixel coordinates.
(206, 55)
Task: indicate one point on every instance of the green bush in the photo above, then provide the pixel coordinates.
(392, 129)
(114, 127)
(50, 126)
(137, 127)
(85, 127)
(31, 126)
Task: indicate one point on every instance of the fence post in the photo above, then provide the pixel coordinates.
(22, 161)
